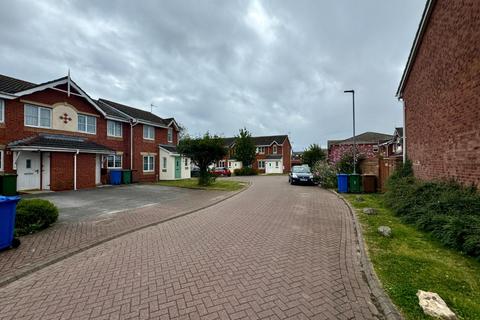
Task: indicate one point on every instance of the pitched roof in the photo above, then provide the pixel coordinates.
(169, 147)
(59, 141)
(429, 5)
(273, 157)
(12, 85)
(260, 141)
(136, 113)
(364, 138)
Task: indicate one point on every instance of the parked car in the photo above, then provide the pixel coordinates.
(222, 171)
(195, 171)
(300, 175)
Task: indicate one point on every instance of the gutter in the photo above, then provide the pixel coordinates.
(427, 12)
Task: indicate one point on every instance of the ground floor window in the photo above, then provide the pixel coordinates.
(164, 163)
(114, 161)
(148, 163)
(276, 164)
(221, 163)
(1, 160)
(261, 164)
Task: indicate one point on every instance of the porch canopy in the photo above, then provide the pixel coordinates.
(59, 143)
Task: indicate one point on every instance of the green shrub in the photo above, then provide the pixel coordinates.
(34, 215)
(325, 174)
(345, 164)
(245, 171)
(449, 211)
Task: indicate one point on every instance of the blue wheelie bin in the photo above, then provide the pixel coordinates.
(342, 182)
(8, 209)
(115, 176)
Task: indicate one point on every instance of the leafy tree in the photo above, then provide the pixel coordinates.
(245, 148)
(203, 151)
(313, 154)
(345, 164)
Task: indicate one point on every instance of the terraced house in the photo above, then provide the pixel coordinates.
(54, 136)
(273, 154)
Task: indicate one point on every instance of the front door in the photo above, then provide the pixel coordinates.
(46, 170)
(178, 167)
(28, 170)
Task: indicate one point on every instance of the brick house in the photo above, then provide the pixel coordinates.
(440, 90)
(54, 136)
(393, 148)
(273, 154)
(367, 145)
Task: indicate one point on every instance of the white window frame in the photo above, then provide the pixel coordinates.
(274, 149)
(259, 162)
(170, 134)
(38, 116)
(150, 162)
(2, 111)
(1, 160)
(86, 123)
(146, 129)
(164, 163)
(221, 164)
(277, 164)
(115, 133)
(115, 156)
(261, 150)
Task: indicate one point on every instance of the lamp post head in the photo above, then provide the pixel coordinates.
(349, 91)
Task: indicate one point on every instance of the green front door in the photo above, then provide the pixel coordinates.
(178, 167)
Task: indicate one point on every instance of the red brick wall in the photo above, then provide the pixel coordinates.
(442, 96)
(61, 171)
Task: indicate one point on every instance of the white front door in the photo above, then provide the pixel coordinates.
(28, 170)
(98, 164)
(46, 170)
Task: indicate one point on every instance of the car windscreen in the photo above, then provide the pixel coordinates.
(301, 170)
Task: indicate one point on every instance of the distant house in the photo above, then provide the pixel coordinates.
(297, 158)
(273, 154)
(367, 144)
(440, 88)
(394, 146)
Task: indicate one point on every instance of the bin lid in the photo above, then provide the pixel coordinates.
(9, 198)
(342, 174)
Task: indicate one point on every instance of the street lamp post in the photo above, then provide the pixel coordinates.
(354, 142)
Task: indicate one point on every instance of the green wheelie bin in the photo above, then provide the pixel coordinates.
(8, 184)
(126, 176)
(355, 183)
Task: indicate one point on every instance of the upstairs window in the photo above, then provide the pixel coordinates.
(38, 116)
(2, 111)
(114, 128)
(261, 150)
(148, 132)
(87, 124)
(274, 149)
(170, 135)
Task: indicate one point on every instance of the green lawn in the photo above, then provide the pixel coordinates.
(219, 184)
(413, 260)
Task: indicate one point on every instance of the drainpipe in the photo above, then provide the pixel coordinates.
(132, 124)
(404, 142)
(75, 169)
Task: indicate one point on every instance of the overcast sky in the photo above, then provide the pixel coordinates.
(275, 67)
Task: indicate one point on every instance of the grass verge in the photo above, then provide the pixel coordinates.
(219, 184)
(411, 260)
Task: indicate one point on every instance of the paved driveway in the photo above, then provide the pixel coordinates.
(83, 204)
(274, 251)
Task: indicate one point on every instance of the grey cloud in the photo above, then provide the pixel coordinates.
(273, 66)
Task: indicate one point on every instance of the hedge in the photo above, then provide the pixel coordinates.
(447, 210)
(246, 171)
(34, 215)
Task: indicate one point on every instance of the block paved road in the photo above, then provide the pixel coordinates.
(274, 251)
